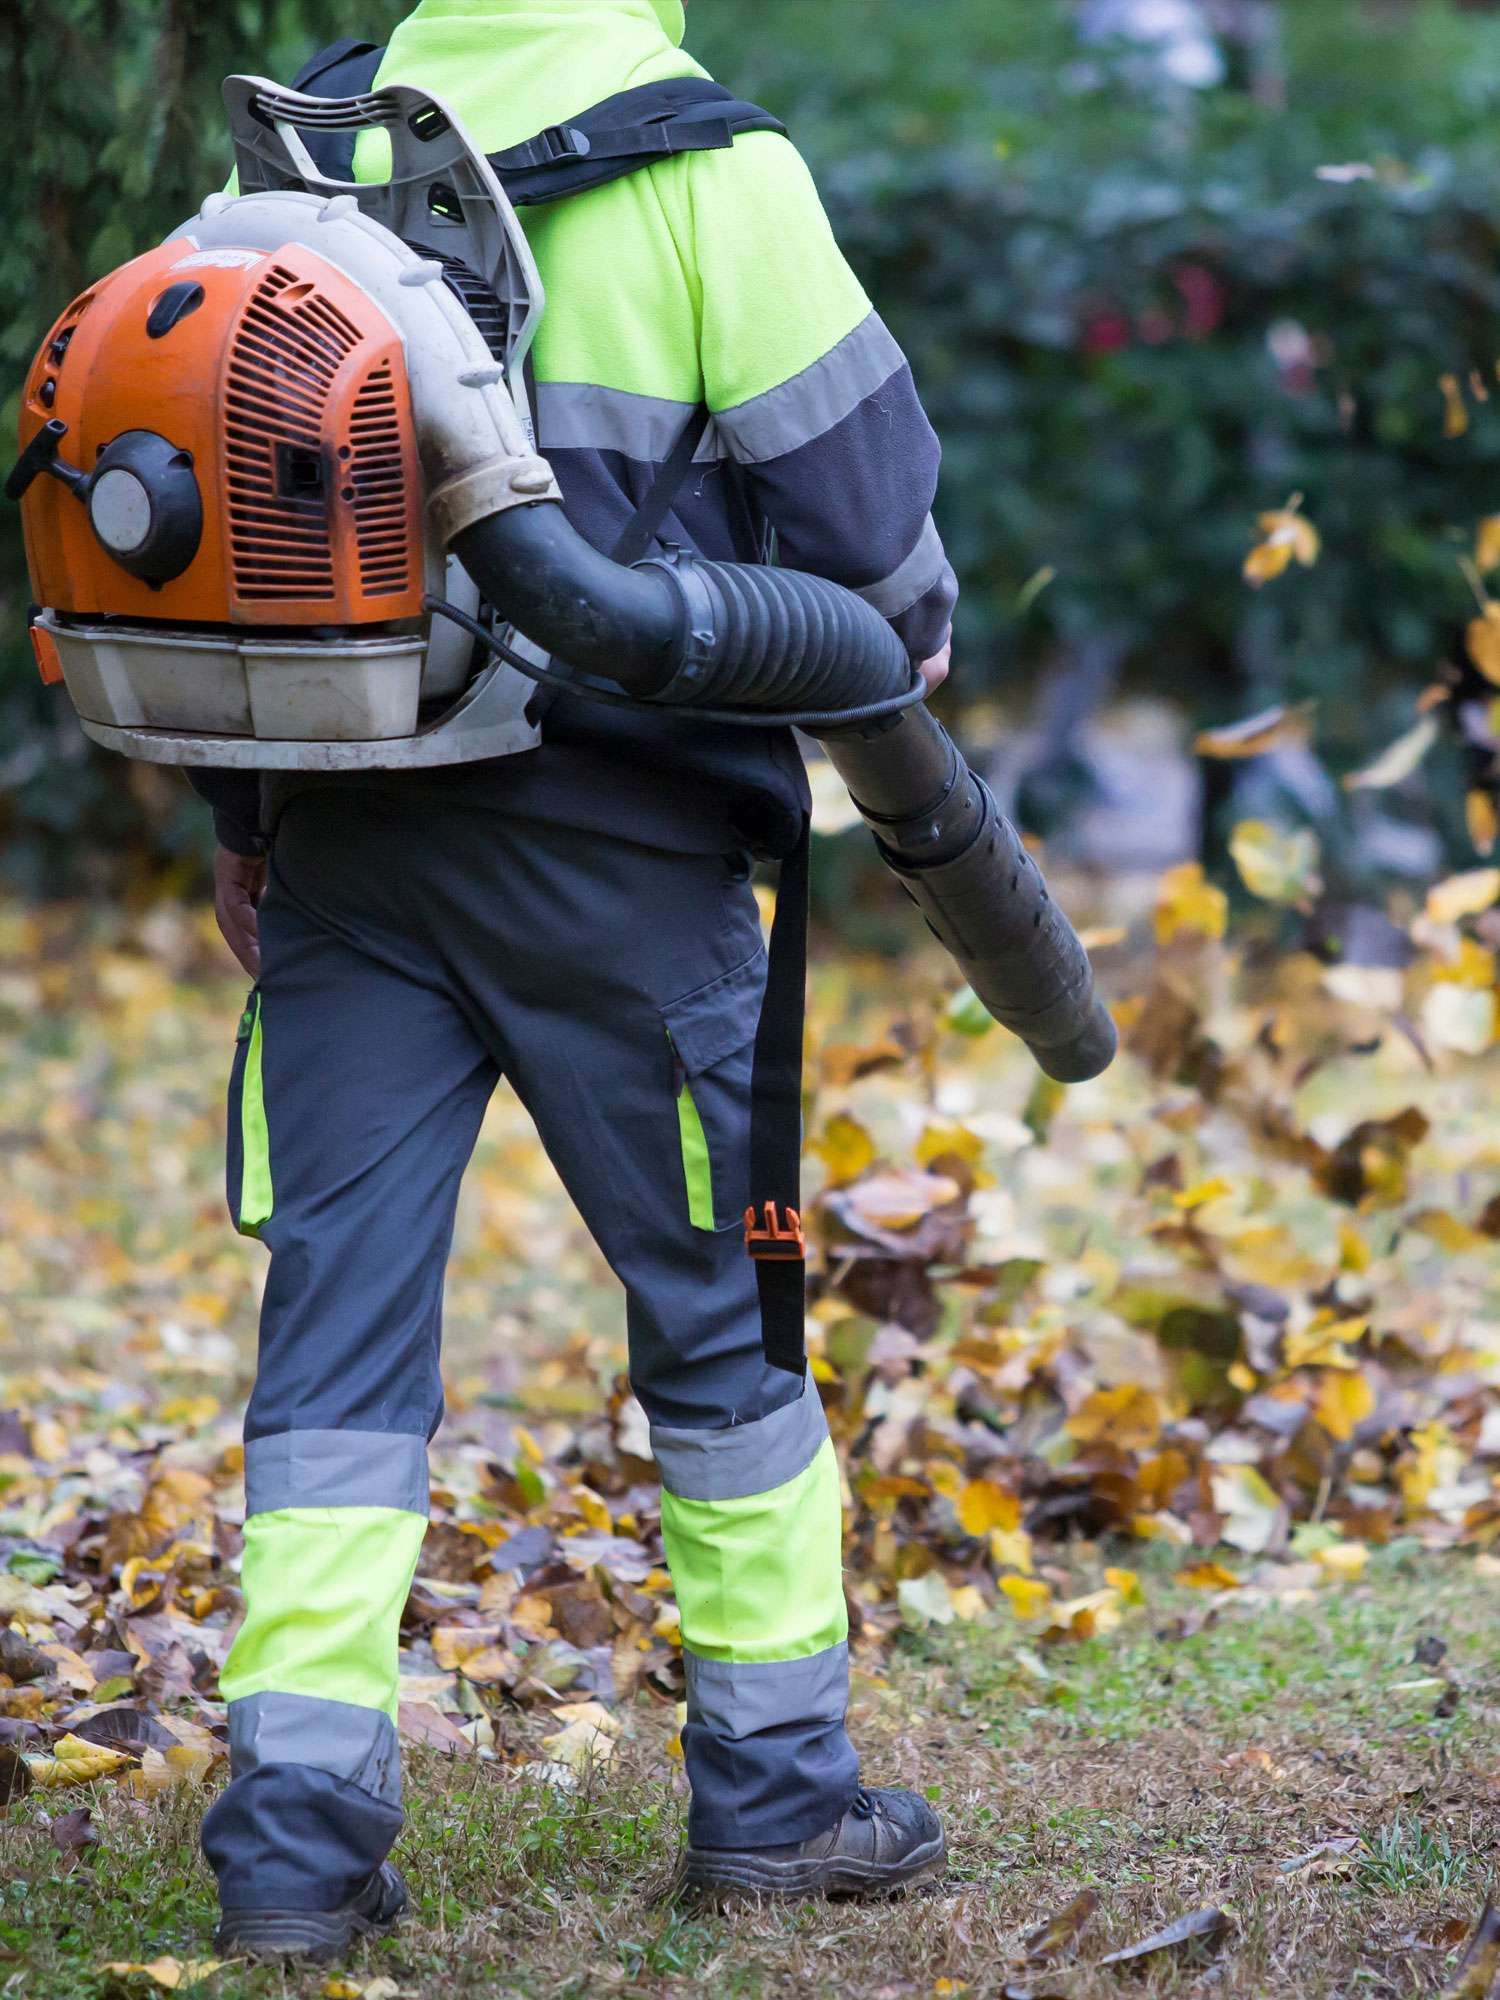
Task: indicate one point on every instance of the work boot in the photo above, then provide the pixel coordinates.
(884, 1842)
(320, 1935)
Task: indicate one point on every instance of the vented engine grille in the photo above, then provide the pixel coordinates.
(377, 473)
(284, 480)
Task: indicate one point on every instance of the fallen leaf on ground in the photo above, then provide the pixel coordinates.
(75, 1762)
(1059, 1933)
(1477, 1969)
(1202, 1931)
(73, 1834)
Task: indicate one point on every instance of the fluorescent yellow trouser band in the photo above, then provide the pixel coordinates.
(324, 1587)
(760, 1578)
(257, 1198)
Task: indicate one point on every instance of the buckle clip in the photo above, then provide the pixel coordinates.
(778, 1238)
(563, 142)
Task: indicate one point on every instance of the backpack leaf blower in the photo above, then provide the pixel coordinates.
(274, 474)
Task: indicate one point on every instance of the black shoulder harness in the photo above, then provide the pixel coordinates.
(638, 128)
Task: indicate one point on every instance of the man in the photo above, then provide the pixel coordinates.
(578, 919)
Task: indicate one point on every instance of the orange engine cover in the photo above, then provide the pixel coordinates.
(287, 384)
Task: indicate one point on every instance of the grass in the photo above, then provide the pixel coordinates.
(1182, 1761)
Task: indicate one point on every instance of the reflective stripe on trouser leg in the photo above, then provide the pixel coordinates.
(753, 1526)
(311, 1679)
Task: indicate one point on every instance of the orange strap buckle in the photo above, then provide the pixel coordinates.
(778, 1238)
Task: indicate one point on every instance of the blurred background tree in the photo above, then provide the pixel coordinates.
(1160, 264)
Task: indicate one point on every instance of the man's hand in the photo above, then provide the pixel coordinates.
(238, 882)
(935, 670)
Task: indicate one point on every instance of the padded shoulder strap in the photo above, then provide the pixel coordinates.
(685, 114)
(344, 69)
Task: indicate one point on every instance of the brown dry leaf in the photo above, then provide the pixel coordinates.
(420, 1722)
(1129, 1418)
(73, 1834)
(1200, 1933)
(1329, 1857)
(1480, 1964)
(15, 1775)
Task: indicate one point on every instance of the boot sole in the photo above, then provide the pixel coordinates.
(723, 1882)
(309, 1934)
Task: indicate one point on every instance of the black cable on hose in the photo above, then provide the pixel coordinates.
(736, 718)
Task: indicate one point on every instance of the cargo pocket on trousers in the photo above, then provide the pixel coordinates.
(711, 1039)
(248, 1153)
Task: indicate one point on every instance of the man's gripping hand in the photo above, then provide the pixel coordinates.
(934, 671)
(239, 880)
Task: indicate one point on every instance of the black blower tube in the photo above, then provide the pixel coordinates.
(695, 634)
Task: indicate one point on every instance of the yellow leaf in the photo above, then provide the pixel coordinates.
(1186, 904)
(1483, 821)
(1345, 1399)
(944, 1477)
(1128, 1583)
(74, 1762)
(1029, 1596)
(984, 1506)
(593, 1510)
(1464, 895)
(1208, 1576)
(969, 1604)
(845, 1148)
(1277, 866)
(49, 1441)
(1484, 643)
(1287, 537)
(1487, 544)
(1344, 1562)
(1354, 1252)
(1010, 1548)
(1203, 1193)
(168, 1973)
(1455, 409)
(1325, 1343)
(949, 1141)
(587, 1736)
(1129, 1418)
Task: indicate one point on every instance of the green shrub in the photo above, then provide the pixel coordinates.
(1138, 321)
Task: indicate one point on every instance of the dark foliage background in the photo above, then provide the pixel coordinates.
(1138, 314)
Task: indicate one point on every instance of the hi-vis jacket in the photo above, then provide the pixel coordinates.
(710, 278)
